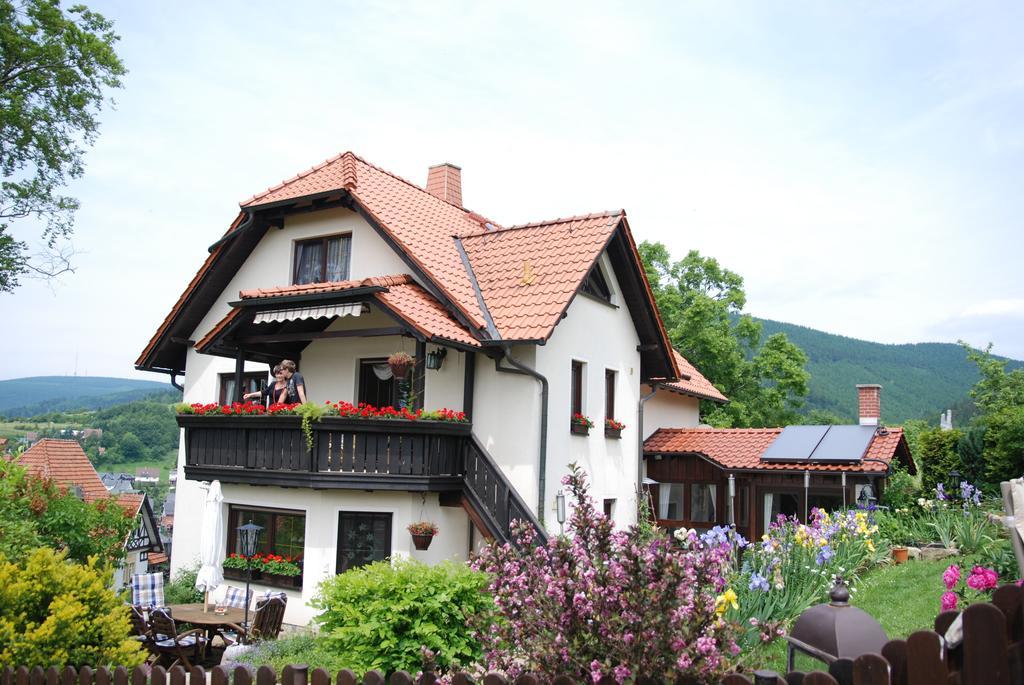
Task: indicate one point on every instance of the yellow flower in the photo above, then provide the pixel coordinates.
(725, 600)
(871, 545)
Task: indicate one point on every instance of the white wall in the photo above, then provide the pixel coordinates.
(321, 508)
(670, 410)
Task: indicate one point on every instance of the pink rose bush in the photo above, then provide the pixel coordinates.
(982, 581)
(600, 603)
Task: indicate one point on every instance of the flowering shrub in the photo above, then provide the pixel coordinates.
(581, 420)
(344, 409)
(599, 602)
(977, 587)
(614, 425)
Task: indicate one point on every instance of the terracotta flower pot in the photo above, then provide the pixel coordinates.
(421, 542)
(899, 555)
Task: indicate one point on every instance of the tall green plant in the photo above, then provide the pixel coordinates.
(380, 616)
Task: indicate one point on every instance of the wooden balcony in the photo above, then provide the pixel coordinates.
(359, 454)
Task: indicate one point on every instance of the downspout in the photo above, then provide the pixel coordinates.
(640, 445)
(231, 236)
(522, 369)
(181, 388)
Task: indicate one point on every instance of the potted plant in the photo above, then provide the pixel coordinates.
(613, 428)
(400, 363)
(423, 533)
(235, 564)
(282, 570)
(580, 424)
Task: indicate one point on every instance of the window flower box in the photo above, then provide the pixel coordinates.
(580, 424)
(613, 429)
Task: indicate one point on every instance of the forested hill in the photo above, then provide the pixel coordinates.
(918, 381)
(42, 394)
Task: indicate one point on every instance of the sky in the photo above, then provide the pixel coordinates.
(859, 164)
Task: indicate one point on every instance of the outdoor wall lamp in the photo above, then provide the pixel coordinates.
(248, 539)
(436, 358)
(560, 511)
(732, 499)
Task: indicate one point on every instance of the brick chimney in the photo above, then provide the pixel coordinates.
(445, 181)
(870, 396)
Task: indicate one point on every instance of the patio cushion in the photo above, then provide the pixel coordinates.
(186, 641)
(235, 597)
(148, 590)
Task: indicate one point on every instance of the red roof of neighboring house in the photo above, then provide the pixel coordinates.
(693, 382)
(157, 558)
(741, 448)
(64, 462)
(131, 502)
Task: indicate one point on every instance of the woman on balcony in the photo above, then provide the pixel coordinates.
(276, 392)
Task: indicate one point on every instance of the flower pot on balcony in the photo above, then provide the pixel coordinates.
(239, 574)
(579, 429)
(421, 542)
(282, 580)
(613, 433)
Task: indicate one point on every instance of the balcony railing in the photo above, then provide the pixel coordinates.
(347, 453)
(360, 454)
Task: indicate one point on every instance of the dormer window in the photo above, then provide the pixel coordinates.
(322, 259)
(597, 285)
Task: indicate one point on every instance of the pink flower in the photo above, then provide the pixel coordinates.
(948, 600)
(982, 579)
(951, 576)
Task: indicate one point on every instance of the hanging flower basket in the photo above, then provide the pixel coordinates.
(423, 533)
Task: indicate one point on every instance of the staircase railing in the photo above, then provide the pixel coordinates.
(492, 495)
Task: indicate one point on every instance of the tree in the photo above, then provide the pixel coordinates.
(999, 396)
(131, 447)
(35, 512)
(701, 304)
(55, 68)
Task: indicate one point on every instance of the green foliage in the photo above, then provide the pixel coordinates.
(999, 395)
(55, 613)
(380, 615)
(309, 412)
(182, 588)
(921, 380)
(37, 513)
(937, 457)
(901, 491)
(56, 66)
(700, 303)
(316, 651)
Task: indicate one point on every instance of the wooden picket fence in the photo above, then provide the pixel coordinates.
(992, 653)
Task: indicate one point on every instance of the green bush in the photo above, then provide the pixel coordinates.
(938, 457)
(901, 492)
(182, 588)
(379, 616)
(54, 612)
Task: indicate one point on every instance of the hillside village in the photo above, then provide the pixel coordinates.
(413, 418)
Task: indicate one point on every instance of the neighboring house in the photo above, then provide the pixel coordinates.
(145, 474)
(702, 477)
(118, 482)
(167, 518)
(64, 462)
(92, 433)
(31, 437)
(519, 327)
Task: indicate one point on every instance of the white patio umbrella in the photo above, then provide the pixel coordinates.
(211, 543)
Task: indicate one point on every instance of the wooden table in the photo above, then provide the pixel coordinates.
(194, 614)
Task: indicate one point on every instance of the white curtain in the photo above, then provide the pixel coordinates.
(768, 506)
(310, 260)
(382, 372)
(702, 502)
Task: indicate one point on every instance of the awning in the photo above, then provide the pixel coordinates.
(327, 311)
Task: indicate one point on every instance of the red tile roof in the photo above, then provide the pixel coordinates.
(65, 463)
(741, 448)
(131, 502)
(528, 274)
(326, 287)
(157, 558)
(692, 382)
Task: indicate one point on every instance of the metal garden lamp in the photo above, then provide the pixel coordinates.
(248, 539)
(560, 511)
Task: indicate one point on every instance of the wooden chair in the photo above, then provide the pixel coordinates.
(142, 633)
(175, 646)
(265, 625)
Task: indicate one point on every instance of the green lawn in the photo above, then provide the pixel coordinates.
(904, 599)
(165, 466)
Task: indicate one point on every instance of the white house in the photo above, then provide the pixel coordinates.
(519, 327)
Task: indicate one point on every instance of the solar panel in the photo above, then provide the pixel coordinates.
(844, 444)
(795, 443)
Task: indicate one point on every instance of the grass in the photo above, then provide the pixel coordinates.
(904, 599)
(165, 465)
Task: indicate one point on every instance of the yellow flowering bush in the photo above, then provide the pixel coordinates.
(54, 612)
